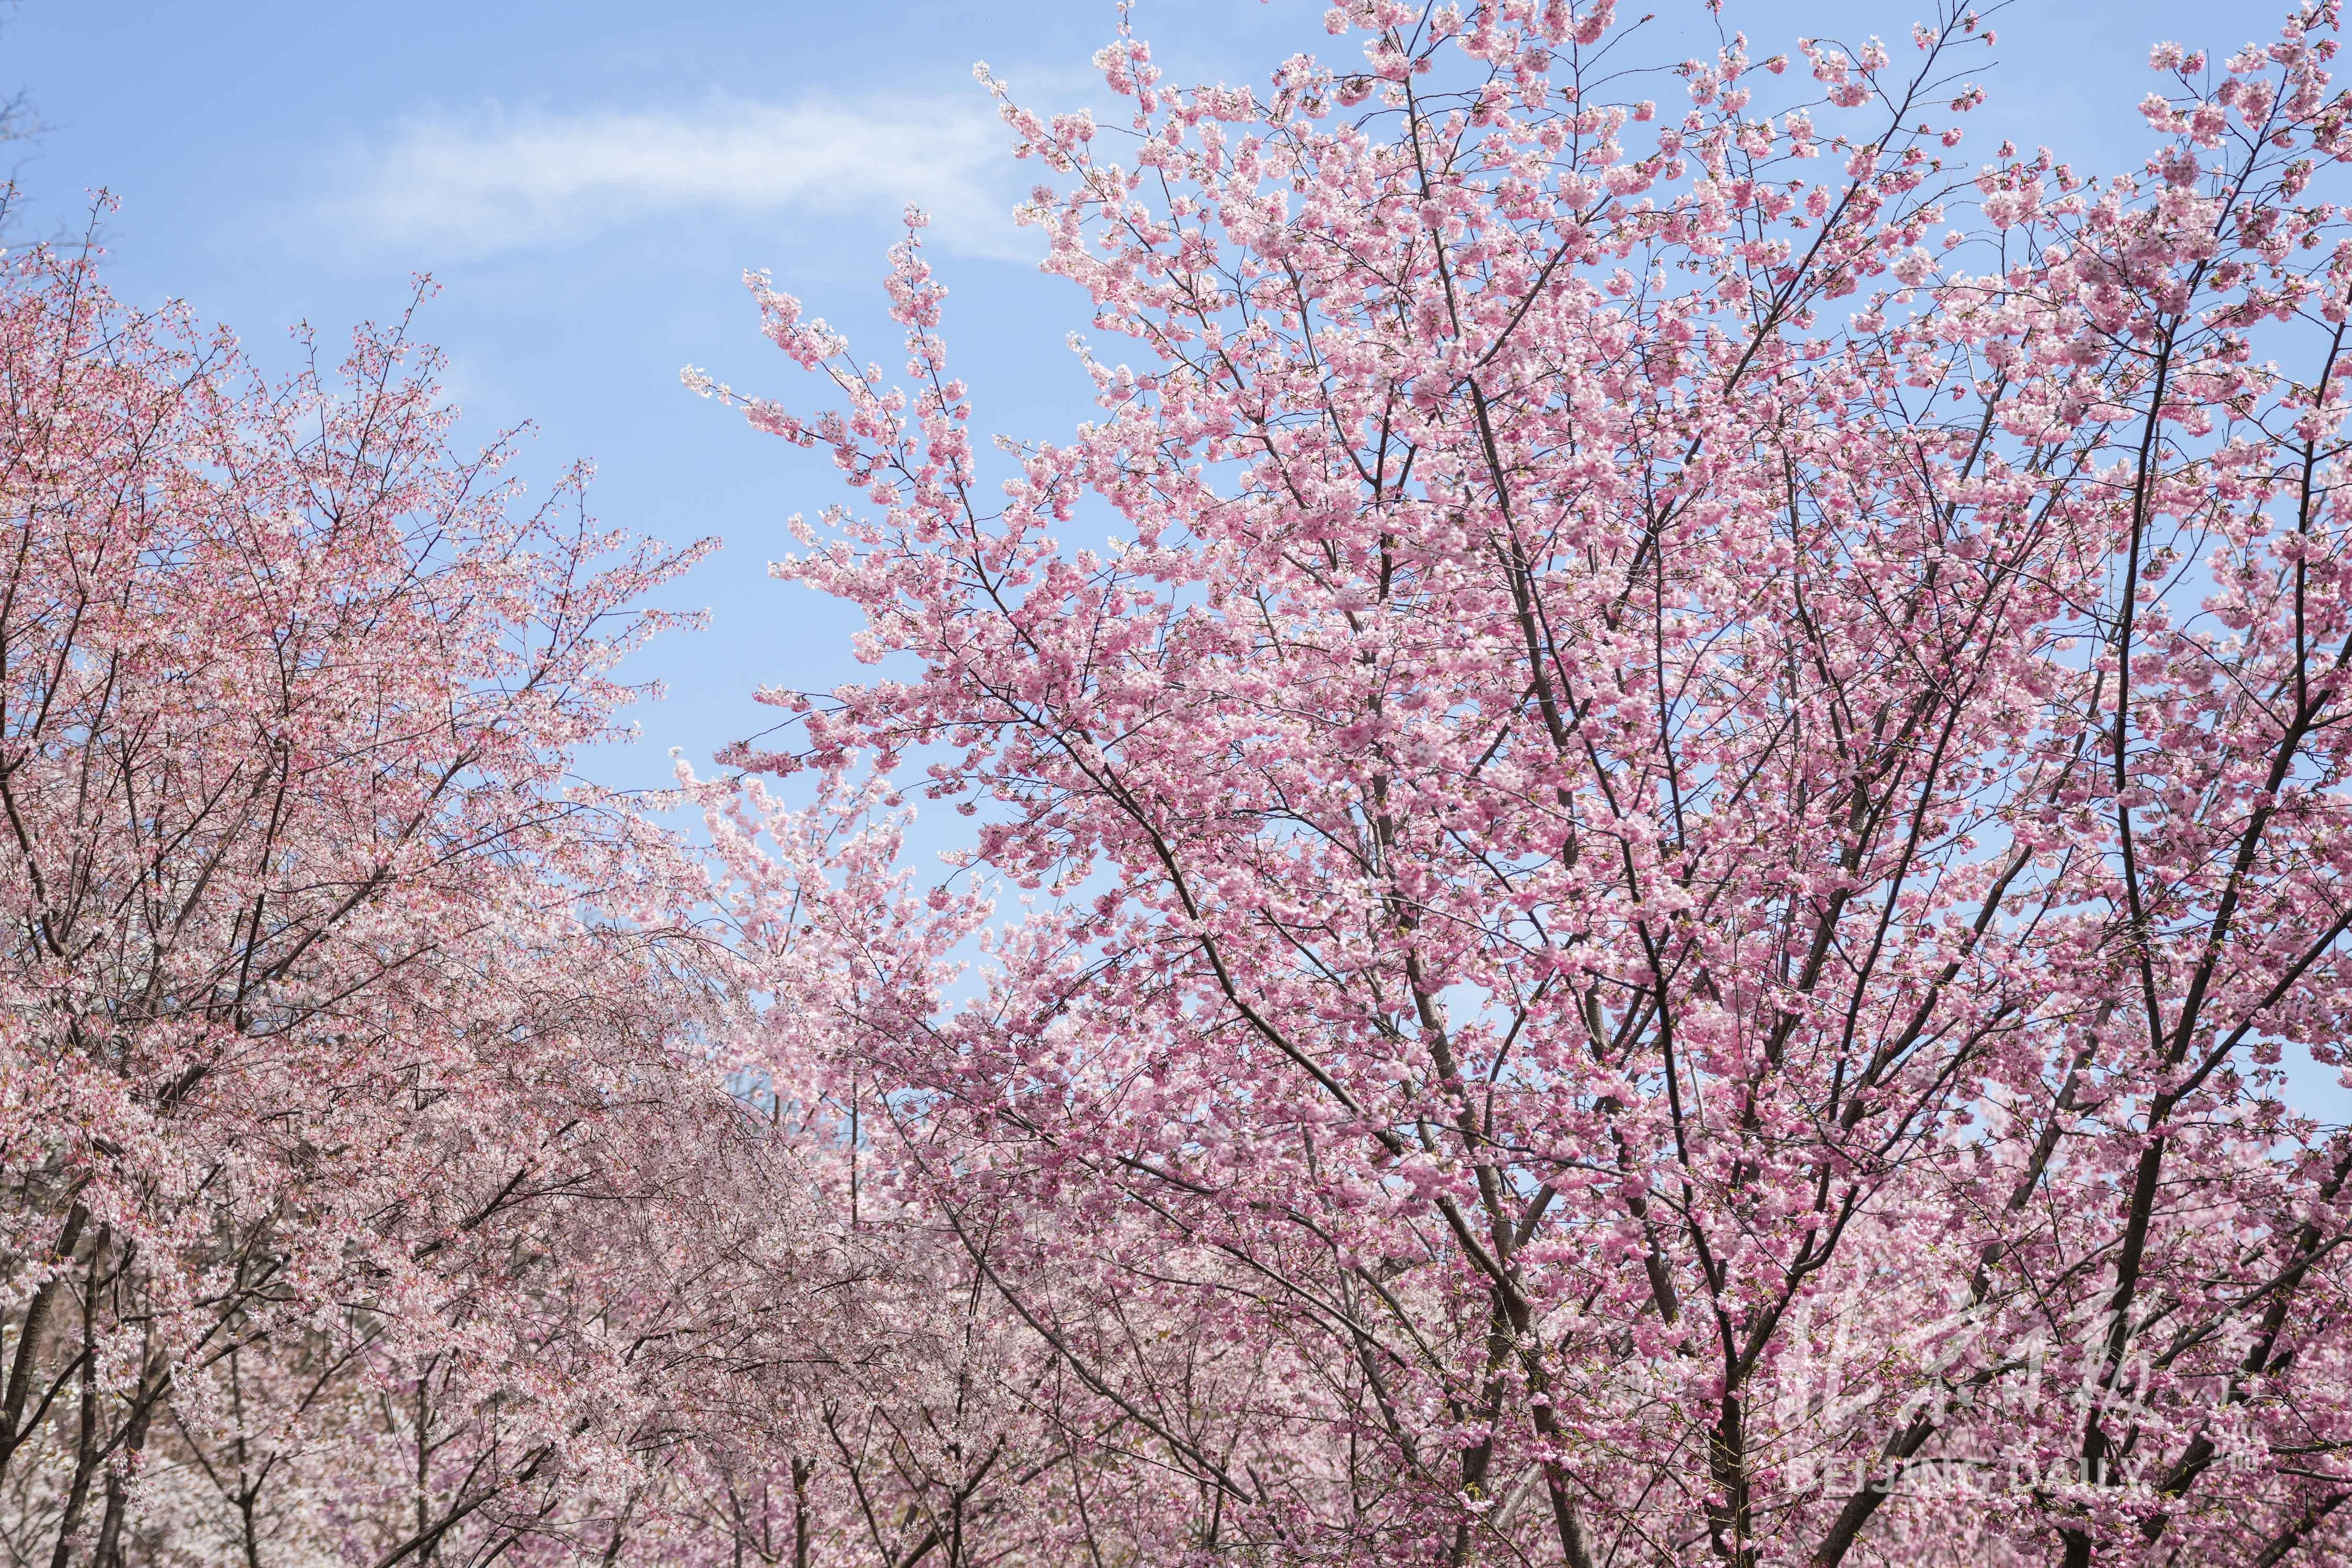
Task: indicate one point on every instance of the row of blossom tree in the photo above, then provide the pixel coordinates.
(1668, 879)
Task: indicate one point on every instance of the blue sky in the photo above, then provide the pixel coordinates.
(587, 181)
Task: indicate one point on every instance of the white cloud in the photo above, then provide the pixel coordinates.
(500, 182)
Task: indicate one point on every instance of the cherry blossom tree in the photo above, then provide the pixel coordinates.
(1669, 869)
(348, 1046)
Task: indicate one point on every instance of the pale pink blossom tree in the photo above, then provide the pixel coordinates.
(348, 1046)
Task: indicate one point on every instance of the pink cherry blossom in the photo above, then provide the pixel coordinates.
(1650, 907)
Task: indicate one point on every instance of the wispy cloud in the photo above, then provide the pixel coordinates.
(473, 184)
